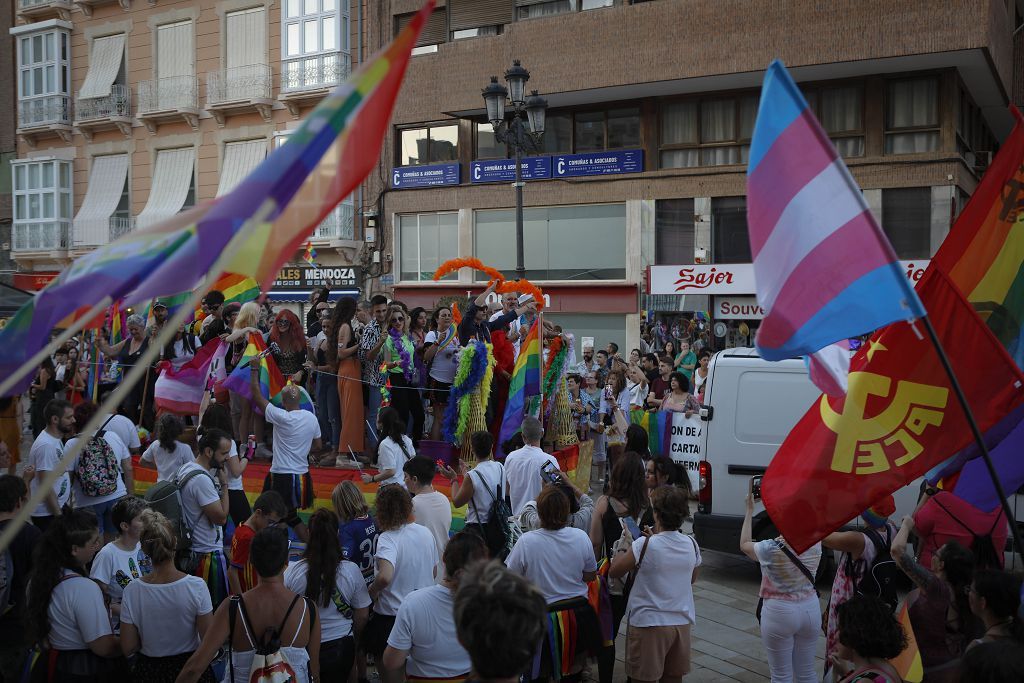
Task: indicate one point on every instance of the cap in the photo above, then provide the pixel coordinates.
(523, 298)
(159, 304)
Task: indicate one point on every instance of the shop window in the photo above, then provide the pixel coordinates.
(428, 145)
(673, 231)
(707, 132)
(578, 243)
(425, 241)
(729, 230)
(912, 116)
(907, 221)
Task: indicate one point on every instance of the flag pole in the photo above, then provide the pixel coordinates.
(978, 437)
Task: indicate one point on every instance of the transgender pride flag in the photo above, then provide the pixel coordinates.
(825, 271)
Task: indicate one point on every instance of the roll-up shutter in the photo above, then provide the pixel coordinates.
(475, 13)
(172, 177)
(105, 61)
(240, 158)
(435, 31)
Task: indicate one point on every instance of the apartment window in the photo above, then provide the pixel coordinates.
(907, 221)
(487, 145)
(425, 241)
(105, 211)
(912, 116)
(473, 18)
(596, 131)
(972, 132)
(729, 230)
(44, 78)
(707, 132)
(315, 43)
(434, 32)
(530, 9)
(840, 110)
(586, 242)
(176, 86)
(558, 134)
(673, 231)
(428, 145)
(42, 204)
(477, 32)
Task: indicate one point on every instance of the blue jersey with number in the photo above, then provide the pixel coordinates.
(358, 539)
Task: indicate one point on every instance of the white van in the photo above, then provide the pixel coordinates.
(750, 406)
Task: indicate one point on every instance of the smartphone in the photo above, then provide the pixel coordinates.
(549, 472)
(630, 524)
(755, 487)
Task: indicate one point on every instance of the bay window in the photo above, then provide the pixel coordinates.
(42, 204)
(315, 45)
(44, 75)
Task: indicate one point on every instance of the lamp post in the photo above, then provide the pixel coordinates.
(523, 131)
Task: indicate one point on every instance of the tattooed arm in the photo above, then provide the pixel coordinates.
(905, 559)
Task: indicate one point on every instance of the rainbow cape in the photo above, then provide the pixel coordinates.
(272, 382)
(261, 223)
(525, 382)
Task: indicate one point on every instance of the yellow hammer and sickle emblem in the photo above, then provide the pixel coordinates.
(912, 408)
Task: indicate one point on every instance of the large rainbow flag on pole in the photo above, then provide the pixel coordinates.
(525, 382)
(262, 221)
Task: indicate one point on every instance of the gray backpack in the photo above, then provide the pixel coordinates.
(165, 497)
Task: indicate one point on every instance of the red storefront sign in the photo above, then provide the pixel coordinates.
(33, 282)
(590, 298)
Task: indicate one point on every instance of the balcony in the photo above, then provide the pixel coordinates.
(103, 113)
(96, 232)
(85, 6)
(239, 89)
(338, 225)
(36, 10)
(39, 236)
(165, 99)
(305, 80)
(49, 115)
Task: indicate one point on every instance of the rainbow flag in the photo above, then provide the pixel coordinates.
(310, 254)
(525, 382)
(235, 288)
(908, 664)
(658, 427)
(272, 382)
(261, 223)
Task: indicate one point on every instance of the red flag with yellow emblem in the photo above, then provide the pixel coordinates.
(899, 418)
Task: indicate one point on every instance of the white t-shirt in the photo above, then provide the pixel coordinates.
(410, 550)
(168, 462)
(662, 592)
(124, 428)
(77, 613)
(234, 483)
(425, 628)
(116, 568)
(165, 614)
(199, 491)
(391, 457)
(122, 455)
(781, 579)
(349, 593)
(44, 455)
(485, 477)
(434, 511)
(522, 468)
(294, 431)
(554, 561)
(444, 365)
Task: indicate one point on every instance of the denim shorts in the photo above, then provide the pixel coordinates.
(102, 510)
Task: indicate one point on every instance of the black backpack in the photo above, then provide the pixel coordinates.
(496, 532)
(982, 547)
(883, 578)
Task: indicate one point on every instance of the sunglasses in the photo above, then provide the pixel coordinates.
(398, 319)
(286, 323)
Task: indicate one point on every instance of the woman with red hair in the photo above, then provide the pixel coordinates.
(291, 353)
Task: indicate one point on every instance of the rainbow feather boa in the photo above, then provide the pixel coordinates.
(475, 371)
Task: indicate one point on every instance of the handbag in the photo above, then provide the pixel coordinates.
(799, 565)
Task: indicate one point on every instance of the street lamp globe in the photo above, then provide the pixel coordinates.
(536, 109)
(494, 97)
(516, 77)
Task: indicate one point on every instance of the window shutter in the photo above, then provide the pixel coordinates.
(435, 31)
(168, 191)
(527, 3)
(175, 50)
(246, 37)
(240, 159)
(104, 64)
(475, 13)
(106, 184)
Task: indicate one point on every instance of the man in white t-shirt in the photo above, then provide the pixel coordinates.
(46, 452)
(423, 637)
(126, 429)
(204, 504)
(102, 504)
(295, 432)
(522, 467)
(430, 508)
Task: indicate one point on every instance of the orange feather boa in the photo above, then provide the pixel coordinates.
(504, 286)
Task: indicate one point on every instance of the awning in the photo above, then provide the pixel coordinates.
(302, 297)
(106, 185)
(169, 186)
(105, 60)
(11, 299)
(240, 158)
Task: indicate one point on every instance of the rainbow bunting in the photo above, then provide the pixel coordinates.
(310, 254)
(264, 220)
(272, 382)
(525, 382)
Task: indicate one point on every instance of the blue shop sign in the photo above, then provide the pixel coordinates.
(598, 163)
(504, 170)
(425, 176)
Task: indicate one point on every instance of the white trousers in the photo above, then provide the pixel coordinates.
(789, 632)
